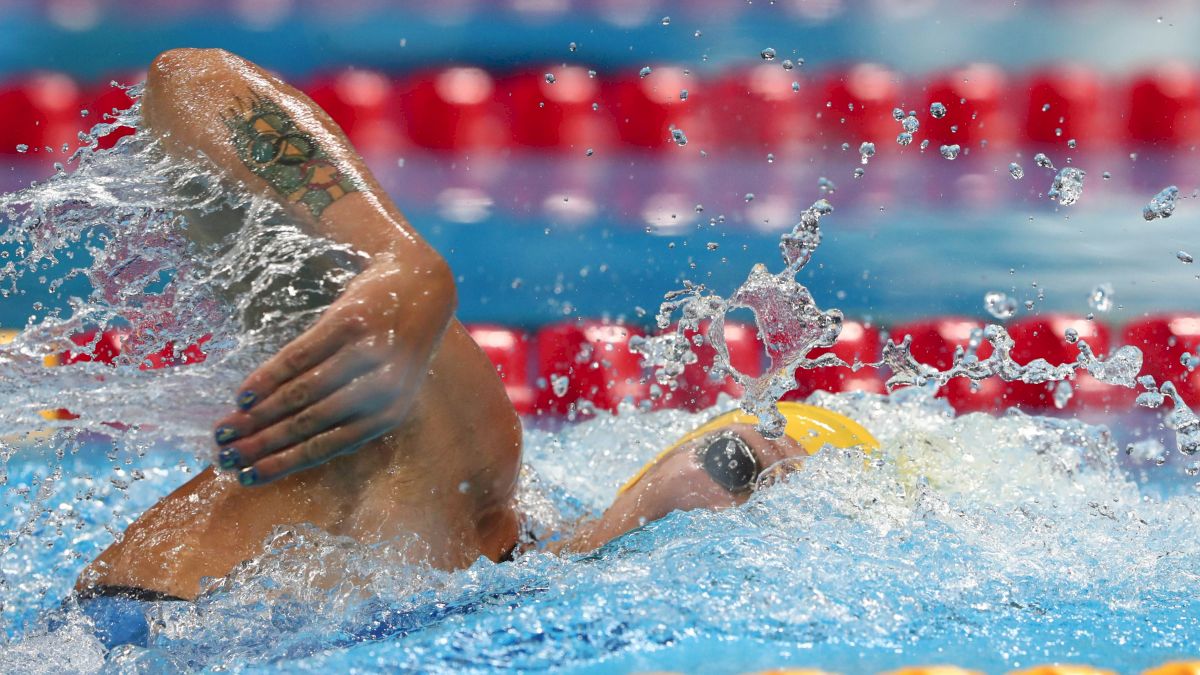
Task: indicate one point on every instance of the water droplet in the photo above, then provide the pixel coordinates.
(795, 86)
(712, 246)
(787, 64)
(83, 112)
(678, 136)
(1045, 107)
(826, 186)
(1101, 298)
(999, 305)
(1043, 161)
(911, 124)
(845, 147)
(768, 54)
(697, 34)
(550, 78)
(1185, 257)
(699, 208)
(937, 110)
(1071, 143)
(559, 385)
(1016, 171)
(749, 197)
(596, 106)
(897, 114)
(950, 151)
(904, 138)
(644, 71)
(1062, 394)
(858, 173)
(1071, 335)
(1162, 205)
(572, 46)
(1106, 175)
(1067, 187)
(683, 94)
(591, 74)
(924, 144)
(666, 21)
(589, 152)
(22, 148)
(770, 158)
(866, 151)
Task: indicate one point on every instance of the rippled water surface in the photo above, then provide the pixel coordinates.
(994, 542)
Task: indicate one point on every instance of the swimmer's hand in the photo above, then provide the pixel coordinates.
(349, 379)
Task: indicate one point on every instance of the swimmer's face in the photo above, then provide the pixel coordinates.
(717, 470)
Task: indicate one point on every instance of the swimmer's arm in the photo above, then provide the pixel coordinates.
(354, 375)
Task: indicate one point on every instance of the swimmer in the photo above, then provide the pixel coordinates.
(357, 426)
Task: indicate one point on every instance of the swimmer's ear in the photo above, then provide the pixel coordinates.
(730, 462)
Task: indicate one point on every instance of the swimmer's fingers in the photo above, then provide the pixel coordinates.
(312, 452)
(296, 394)
(308, 350)
(365, 397)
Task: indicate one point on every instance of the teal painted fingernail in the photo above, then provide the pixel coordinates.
(248, 476)
(224, 435)
(246, 400)
(228, 458)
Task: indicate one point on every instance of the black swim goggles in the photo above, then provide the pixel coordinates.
(730, 462)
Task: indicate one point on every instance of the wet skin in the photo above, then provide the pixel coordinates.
(382, 421)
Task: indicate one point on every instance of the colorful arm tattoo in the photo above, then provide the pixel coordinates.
(290, 160)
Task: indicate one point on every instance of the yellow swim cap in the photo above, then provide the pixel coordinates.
(811, 427)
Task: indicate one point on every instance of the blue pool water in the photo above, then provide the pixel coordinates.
(973, 540)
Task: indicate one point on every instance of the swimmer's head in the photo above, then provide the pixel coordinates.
(719, 464)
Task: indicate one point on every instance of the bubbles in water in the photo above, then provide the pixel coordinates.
(866, 151)
(679, 137)
(1162, 205)
(1185, 257)
(937, 110)
(1016, 171)
(1043, 161)
(950, 151)
(768, 54)
(550, 79)
(999, 305)
(1101, 297)
(1067, 187)
(644, 71)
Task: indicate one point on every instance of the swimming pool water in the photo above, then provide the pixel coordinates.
(989, 542)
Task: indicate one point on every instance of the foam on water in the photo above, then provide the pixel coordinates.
(990, 541)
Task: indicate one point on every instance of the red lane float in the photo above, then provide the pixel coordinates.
(1163, 340)
(360, 101)
(759, 110)
(976, 99)
(594, 359)
(559, 114)
(451, 109)
(1044, 337)
(647, 108)
(508, 350)
(1164, 106)
(1064, 103)
(934, 342)
(39, 111)
(855, 105)
(858, 341)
